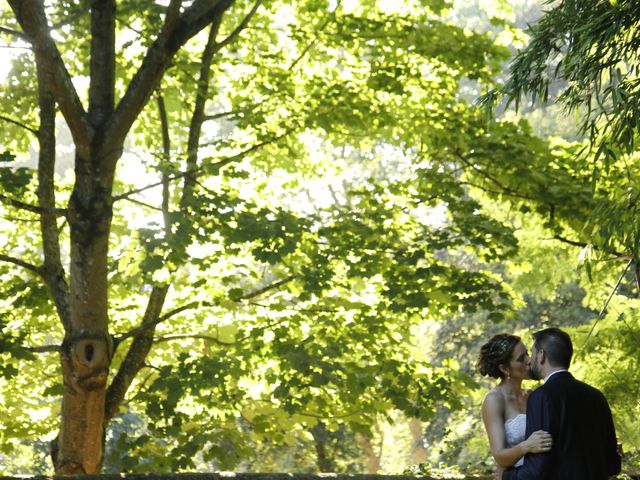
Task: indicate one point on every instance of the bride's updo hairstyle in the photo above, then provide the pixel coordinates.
(496, 352)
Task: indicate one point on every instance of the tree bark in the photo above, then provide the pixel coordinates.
(372, 460)
(98, 134)
(320, 437)
(418, 452)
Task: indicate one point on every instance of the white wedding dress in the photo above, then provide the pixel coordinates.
(514, 429)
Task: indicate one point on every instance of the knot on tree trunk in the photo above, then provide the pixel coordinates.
(89, 356)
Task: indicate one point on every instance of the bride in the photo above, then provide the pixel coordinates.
(504, 407)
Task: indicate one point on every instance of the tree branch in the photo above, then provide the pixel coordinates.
(233, 35)
(15, 33)
(637, 275)
(313, 42)
(21, 263)
(19, 124)
(53, 272)
(59, 212)
(31, 16)
(152, 323)
(216, 165)
(197, 116)
(171, 17)
(584, 244)
(244, 153)
(166, 155)
(102, 64)
(606, 304)
(44, 349)
(137, 353)
(138, 202)
(207, 338)
(267, 288)
(196, 17)
(504, 188)
(216, 116)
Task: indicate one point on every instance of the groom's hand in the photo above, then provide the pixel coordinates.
(497, 472)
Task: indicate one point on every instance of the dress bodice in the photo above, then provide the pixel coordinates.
(514, 429)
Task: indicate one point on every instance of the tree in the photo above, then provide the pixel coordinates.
(284, 317)
(585, 54)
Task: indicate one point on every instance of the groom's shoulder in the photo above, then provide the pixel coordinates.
(585, 387)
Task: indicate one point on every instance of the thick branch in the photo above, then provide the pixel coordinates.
(102, 63)
(137, 354)
(30, 14)
(171, 17)
(200, 14)
(197, 117)
(53, 271)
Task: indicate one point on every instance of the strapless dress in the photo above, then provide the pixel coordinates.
(514, 429)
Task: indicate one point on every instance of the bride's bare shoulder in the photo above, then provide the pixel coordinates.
(494, 397)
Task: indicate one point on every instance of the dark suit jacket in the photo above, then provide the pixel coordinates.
(584, 439)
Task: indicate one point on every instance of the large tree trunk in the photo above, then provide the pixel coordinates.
(87, 347)
(98, 134)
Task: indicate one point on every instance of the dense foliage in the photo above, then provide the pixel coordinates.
(312, 230)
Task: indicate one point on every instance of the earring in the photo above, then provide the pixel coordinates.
(508, 376)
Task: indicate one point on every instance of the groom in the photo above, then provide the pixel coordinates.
(576, 414)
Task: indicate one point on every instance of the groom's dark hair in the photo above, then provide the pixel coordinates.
(556, 344)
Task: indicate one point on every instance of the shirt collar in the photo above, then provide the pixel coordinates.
(553, 373)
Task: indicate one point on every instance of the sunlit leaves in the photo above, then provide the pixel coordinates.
(284, 314)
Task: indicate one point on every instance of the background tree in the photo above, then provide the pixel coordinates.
(194, 308)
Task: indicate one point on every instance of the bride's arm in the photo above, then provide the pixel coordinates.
(493, 418)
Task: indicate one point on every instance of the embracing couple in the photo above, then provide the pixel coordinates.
(563, 430)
